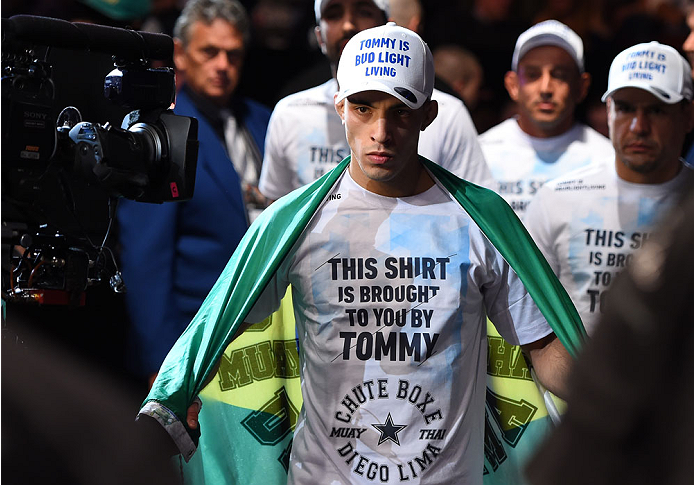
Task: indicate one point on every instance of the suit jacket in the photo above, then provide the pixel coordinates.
(171, 254)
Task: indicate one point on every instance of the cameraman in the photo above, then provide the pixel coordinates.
(171, 254)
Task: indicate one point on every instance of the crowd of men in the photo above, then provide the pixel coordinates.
(370, 210)
(388, 218)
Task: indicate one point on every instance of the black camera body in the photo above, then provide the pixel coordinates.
(55, 164)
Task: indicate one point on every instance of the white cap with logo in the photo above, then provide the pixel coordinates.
(549, 32)
(654, 67)
(319, 4)
(390, 59)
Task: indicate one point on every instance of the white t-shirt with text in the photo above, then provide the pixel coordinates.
(589, 222)
(521, 164)
(391, 297)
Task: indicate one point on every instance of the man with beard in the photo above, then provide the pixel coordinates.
(547, 82)
(394, 265)
(589, 222)
(305, 138)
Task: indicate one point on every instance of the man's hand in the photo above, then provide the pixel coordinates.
(194, 409)
(192, 414)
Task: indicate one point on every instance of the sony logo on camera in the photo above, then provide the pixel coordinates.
(36, 115)
(58, 168)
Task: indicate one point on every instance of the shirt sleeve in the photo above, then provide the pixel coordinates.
(537, 221)
(508, 304)
(460, 151)
(513, 311)
(276, 175)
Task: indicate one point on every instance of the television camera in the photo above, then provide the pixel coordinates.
(56, 166)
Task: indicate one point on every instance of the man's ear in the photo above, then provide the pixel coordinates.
(512, 85)
(319, 38)
(609, 109)
(414, 24)
(179, 55)
(431, 110)
(608, 105)
(340, 108)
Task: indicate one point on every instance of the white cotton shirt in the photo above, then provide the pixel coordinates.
(306, 138)
(521, 163)
(391, 297)
(589, 222)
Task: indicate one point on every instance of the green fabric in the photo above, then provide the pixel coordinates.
(255, 398)
(225, 460)
(192, 359)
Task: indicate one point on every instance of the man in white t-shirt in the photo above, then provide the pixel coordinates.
(547, 81)
(392, 283)
(589, 222)
(305, 138)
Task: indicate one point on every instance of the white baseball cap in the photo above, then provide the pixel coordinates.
(549, 32)
(390, 59)
(319, 4)
(654, 67)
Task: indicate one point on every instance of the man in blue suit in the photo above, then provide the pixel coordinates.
(171, 254)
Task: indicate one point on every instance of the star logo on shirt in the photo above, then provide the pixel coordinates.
(389, 431)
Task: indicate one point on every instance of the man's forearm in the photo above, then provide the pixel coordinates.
(551, 362)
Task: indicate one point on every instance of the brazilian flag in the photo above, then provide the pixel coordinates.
(252, 403)
(519, 412)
